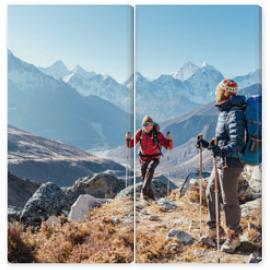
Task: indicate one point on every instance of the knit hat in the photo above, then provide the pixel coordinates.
(225, 89)
(147, 119)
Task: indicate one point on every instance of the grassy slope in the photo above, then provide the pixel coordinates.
(94, 241)
(98, 239)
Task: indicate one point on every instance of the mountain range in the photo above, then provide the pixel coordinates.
(183, 90)
(51, 108)
(91, 110)
(90, 83)
(171, 95)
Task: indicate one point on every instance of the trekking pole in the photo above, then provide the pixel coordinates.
(127, 156)
(167, 157)
(216, 190)
(200, 136)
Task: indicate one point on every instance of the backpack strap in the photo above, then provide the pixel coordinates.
(155, 136)
(155, 139)
(140, 137)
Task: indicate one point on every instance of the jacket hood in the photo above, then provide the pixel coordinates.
(234, 101)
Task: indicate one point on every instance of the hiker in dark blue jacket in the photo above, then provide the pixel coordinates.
(230, 134)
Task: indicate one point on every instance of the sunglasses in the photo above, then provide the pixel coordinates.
(147, 124)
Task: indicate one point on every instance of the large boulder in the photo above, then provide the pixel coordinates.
(253, 174)
(248, 208)
(47, 201)
(249, 185)
(101, 185)
(80, 209)
(161, 186)
(246, 194)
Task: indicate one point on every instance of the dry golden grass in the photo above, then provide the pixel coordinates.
(18, 250)
(152, 246)
(193, 193)
(96, 240)
(99, 240)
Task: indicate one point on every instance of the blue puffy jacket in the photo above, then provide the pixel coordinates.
(230, 130)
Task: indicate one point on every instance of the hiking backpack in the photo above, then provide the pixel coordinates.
(252, 152)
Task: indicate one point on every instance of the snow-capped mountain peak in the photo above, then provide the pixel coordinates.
(80, 72)
(83, 72)
(90, 83)
(185, 72)
(78, 69)
(205, 64)
(57, 70)
(139, 76)
(59, 64)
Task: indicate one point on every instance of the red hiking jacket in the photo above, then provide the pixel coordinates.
(148, 148)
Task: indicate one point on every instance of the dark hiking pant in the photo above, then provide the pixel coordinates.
(148, 168)
(228, 196)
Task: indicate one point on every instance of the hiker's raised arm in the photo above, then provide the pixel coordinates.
(165, 142)
(130, 139)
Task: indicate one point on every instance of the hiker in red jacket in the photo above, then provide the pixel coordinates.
(151, 140)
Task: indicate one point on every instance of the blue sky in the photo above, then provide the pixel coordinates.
(99, 37)
(226, 37)
(96, 37)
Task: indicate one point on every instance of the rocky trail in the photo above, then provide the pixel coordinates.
(169, 231)
(93, 221)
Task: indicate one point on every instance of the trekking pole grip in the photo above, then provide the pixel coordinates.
(213, 141)
(200, 136)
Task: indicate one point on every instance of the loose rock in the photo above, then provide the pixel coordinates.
(80, 209)
(181, 236)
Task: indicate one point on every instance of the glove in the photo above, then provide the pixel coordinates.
(168, 136)
(169, 140)
(128, 137)
(216, 151)
(204, 143)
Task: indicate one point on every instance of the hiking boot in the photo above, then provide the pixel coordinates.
(232, 242)
(144, 197)
(212, 233)
(151, 194)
